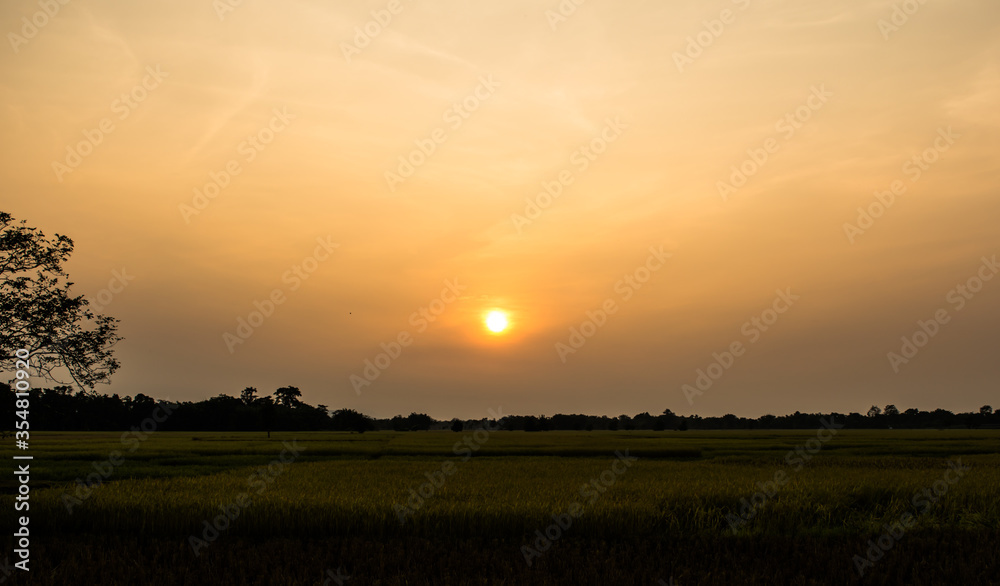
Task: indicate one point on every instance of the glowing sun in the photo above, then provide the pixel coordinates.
(496, 321)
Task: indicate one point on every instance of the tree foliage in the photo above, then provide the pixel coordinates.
(38, 312)
(60, 409)
(351, 420)
(248, 395)
(288, 396)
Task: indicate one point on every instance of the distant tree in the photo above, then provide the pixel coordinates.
(37, 312)
(351, 420)
(141, 402)
(891, 410)
(267, 414)
(248, 395)
(986, 410)
(456, 425)
(874, 411)
(644, 421)
(416, 422)
(683, 425)
(288, 396)
(941, 418)
(224, 399)
(543, 423)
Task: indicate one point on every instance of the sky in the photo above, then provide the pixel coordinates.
(716, 207)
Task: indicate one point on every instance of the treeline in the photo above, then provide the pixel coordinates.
(61, 409)
(876, 418)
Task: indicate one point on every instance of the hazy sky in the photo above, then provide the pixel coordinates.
(121, 118)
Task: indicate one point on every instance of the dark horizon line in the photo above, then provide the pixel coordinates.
(731, 417)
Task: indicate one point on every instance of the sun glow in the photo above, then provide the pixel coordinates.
(496, 321)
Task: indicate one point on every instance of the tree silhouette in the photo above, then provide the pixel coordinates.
(351, 420)
(267, 414)
(60, 408)
(288, 396)
(38, 313)
(412, 422)
(456, 425)
(248, 395)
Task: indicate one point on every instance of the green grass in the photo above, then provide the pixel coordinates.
(342, 488)
(63, 456)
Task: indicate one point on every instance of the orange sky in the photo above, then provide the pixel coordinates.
(117, 115)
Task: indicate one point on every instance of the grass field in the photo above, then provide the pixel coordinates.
(477, 507)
